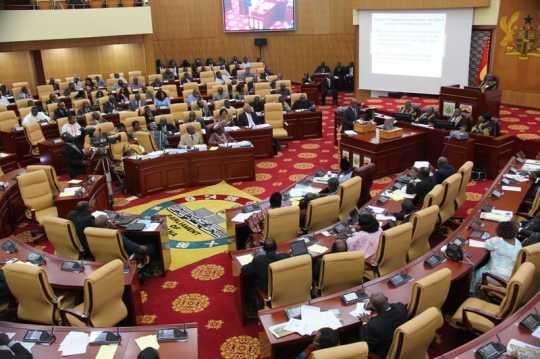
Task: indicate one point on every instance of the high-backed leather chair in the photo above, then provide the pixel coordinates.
(430, 291)
(358, 350)
(103, 305)
(322, 212)
(122, 115)
(146, 140)
(268, 96)
(104, 127)
(289, 281)
(262, 85)
(349, 193)
(153, 77)
(366, 172)
(44, 90)
(105, 244)
(29, 284)
(434, 197)
(170, 90)
(56, 187)
(479, 316)
(250, 98)
(190, 86)
(391, 252)
(296, 96)
(37, 195)
(8, 121)
(196, 126)
(24, 111)
(282, 224)
(128, 122)
(34, 135)
(207, 76)
(466, 171)
(424, 222)
(412, 339)
(287, 83)
(178, 107)
(340, 271)
(63, 236)
(451, 191)
(273, 115)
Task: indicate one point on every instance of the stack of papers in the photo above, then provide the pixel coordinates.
(300, 190)
(74, 343)
(376, 210)
(312, 320)
(232, 128)
(107, 351)
(517, 178)
(360, 310)
(522, 350)
(511, 188)
(350, 133)
(264, 125)
(421, 164)
(476, 244)
(242, 217)
(497, 215)
(382, 217)
(317, 249)
(96, 214)
(75, 181)
(147, 341)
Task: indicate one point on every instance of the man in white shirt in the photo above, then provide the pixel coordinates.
(35, 115)
(248, 118)
(3, 100)
(72, 128)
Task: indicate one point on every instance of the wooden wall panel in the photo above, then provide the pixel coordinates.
(519, 78)
(416, 4)
(15, 67)
(194, 28)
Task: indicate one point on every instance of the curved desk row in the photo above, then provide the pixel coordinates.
(461, 271)
(127, 348)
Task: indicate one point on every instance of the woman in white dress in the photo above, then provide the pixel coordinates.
(503, 250)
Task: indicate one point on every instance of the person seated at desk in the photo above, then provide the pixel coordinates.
(258, 104)
(351, 114)
(486, 126)
(443, 171)
(148, 114)
(81, 217)
(489, 83)
(283, 91)
(100, 83)
(89, 85)
(35, 115)
(255, 222)
(428, 117)
(156, 83)
(324, 338)
(191, 138)
(195, 96)
(12, 350)
(110, 106)
(203, 107)
(4, 101)
(323, 68)
(116, 86)
(223, 118)
(137, 127)
(54, 84)
(339, 245)
(95, 118)
(220, 94)
(77, 83)
(219, 136)
(283, 101)
(346, 170)
(85, 108)
(186, 78)
(136, 103)
(61, 110)
(459, 121)
(331, 188)
(162, 100)
(422, 186)
(71, 128)
(23, 94)
(69, 89)
(368, 236)
(408, 109)
(53, 98)
(248, 118)
(168, 75)
(4, 91)
(159, 132)
(503, 251)
(240, 92)
(377, 329)
(255, 274)
(135, 85)
(407, 209)
(192, 118)
(222, 78)
(246, 75)
(303, 104)
(73, 156)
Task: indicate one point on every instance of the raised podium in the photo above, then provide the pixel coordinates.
(471, 98)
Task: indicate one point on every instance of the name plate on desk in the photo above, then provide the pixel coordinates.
(391, 134)
(364, 127)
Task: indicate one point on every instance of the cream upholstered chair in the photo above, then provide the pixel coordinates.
(412, 339)
(357, 350)
(44, 90)
(37, 195)
(451, 191)
(322, 212)
(289, 281)
(190, 86)
(262, 85)
(63, 236)
(153, 77)
(434, 197)
(60, 122)
(282, 224)
(118, 148)
(3, 108)
(55, 185)
(29, 284)
(349, 193)
(178, 107)
(479, 316)
(196, 126)
(296, 96)
(430, 291)
(268, 97)
(169, 119)
(20, 84)
(170, 90)
(134, 73)
(251, 98)
(146, 140)
(105, 244)
(24, 111)
(8, 121)
(466, 171)
(273, 115)
(424, 222)
(105, 127)
(122, 115)
(392, 251)
(102, 305)
(218, 104)
(128, 122)
(340, 271)
(24, 103)
(207, 76)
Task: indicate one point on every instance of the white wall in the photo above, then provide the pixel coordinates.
(27, 25)
(487, 16)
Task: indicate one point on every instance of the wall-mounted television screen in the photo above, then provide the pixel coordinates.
(258, 15)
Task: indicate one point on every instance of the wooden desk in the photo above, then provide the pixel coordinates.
(506, 330)
(8, 162)
(60, 279)
(304, 124)
(390, 156)
(461, 272)
(15, 142)
(313, 91)
(127, 348)
(51, 152)
(189, 169)
(95, 192)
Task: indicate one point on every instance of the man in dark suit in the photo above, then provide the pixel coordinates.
(303, 104)
(322, 69)
(256, 273)
(350, 115)
(248, 118)
(12, 350)
(136, 103)
(444, 170)
(378, 330)
(81, 217)
(422, 188)
(73, 156)
(328, 87)
(61, 110)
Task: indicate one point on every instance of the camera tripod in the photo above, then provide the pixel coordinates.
(104, 163)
